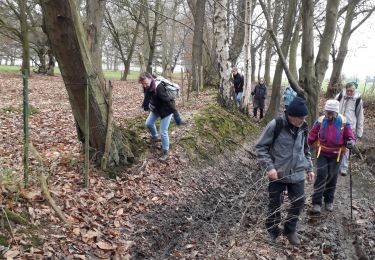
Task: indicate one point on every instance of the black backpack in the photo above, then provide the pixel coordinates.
(279, 126)
(357, 101)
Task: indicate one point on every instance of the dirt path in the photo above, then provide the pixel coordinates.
(221, 216)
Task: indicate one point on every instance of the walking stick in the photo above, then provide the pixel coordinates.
(351, 184)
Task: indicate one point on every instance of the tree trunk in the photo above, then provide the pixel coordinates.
(269, 45)
(132, 48)
(238, 34)
(247, 76)
(312, 74)
(67, 39)
(199, 15)
(94, 23)
(41, 52)
(24, 36)
(51, 64)
(152, 38)
(335, 78)
(294, 47)
(289, 20)
(253, 60)
(222, 49)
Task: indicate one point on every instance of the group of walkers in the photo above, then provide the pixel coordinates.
(284, 151)
(259, 93)
(284, 146)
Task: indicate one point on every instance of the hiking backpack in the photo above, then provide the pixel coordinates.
(279, 126)
(357, 101)
(172, 89)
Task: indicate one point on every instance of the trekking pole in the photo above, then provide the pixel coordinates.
(351, 184)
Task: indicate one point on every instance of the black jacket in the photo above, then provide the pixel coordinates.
(157, 100)
(238, 83)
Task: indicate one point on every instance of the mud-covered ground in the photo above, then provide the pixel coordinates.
(221, 216)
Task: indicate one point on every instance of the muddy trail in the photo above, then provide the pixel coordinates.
(220, 209)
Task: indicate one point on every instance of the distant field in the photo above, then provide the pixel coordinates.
(110, 74)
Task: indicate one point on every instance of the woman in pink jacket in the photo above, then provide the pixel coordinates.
(333, 134)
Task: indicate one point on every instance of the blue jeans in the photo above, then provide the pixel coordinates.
(296, 194)
(177, 118)
(238, 97)
(164, 125)
(326, 179)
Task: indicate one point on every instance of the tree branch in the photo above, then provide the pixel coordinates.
(293, 82)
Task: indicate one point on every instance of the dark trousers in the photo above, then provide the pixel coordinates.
(326, 179)
(261, 112)
(296, 195)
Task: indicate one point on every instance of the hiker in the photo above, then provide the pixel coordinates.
(259, 96)
(238, 82)
(332, 134)
(146, 103)
(161, 106)
(289, 95)
(283, 151)
(351, 106)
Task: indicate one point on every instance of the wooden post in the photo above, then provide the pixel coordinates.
(25, 127)
(182, 87)
(197, 80)
(201, 77)
(189, 86)
(87, 136)
(108, 136)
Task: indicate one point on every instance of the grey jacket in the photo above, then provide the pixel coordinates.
(355, 117)
(289, 156)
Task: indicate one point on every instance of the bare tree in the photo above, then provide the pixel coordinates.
(198, 9)
(68, 41)
(289, 20)
(222, 49)
(347, 32)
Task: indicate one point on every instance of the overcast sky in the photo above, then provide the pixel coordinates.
(360, 60)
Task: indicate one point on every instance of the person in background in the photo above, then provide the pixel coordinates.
(259, 96)
(161, 106)
(351, 106)
(287, 160)
(332, 134)
(288, 96)
(238, 82)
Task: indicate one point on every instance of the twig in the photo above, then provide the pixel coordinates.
(44, 187)
(108, 137)
(10, 226)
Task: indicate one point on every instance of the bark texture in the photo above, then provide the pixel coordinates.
(67, 39)
(222, 50)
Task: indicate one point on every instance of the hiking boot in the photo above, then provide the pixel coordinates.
(343, 173)
(293, 239)
(316, 209)
(329, 207)
(153, 140)
(163, 155)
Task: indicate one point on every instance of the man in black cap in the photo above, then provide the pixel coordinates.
(283, 151)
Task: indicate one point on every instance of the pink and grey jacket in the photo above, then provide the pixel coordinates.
(331, 136)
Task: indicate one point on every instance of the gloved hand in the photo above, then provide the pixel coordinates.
(350, 144)
(252, 93)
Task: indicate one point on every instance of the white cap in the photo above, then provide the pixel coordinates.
(332, 105)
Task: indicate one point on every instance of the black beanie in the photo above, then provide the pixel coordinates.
(297, 107)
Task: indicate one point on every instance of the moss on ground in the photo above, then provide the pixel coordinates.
(217, 130)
